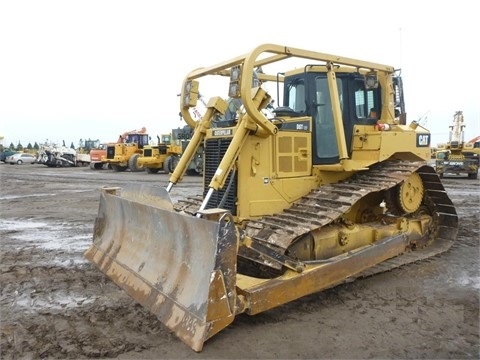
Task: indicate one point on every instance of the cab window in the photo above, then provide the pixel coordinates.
(296, 96)
(366, 101)
(325, 139)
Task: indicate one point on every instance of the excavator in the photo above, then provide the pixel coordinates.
(321, 193)
(475, 141)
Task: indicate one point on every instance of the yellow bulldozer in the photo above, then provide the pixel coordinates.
(333, 187)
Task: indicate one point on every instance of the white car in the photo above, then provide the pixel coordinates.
(21, 158)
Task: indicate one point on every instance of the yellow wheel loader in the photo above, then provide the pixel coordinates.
(124, 154)
(322, 192)
(161, 157)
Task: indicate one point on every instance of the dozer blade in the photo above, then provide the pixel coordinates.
(182, 268)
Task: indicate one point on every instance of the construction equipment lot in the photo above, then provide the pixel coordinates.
(55, 304)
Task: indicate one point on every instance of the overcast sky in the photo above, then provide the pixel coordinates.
(72, 70)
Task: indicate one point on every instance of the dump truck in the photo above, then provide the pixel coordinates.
(123, 154)
(457, 157)
(318, 195)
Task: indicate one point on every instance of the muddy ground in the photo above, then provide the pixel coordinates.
(55, 304)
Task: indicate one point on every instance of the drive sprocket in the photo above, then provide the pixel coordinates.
(410, 193)
(406, 197)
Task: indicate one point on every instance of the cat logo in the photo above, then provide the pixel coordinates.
(423, 140)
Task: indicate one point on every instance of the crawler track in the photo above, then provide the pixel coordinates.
(328, 203)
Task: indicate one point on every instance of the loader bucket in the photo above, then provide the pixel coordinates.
(182, 268)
